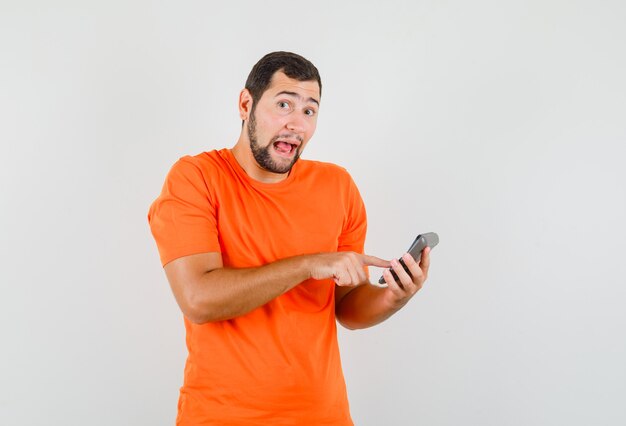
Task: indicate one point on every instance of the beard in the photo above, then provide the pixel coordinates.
(262, 154)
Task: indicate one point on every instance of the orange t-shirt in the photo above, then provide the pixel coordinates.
(278, 364)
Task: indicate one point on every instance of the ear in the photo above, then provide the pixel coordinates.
(245, 104)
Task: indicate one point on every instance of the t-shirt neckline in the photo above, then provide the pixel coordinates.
(230, 157)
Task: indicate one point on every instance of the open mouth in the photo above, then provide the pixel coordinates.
(285, 148)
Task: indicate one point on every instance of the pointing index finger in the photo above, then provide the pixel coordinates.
(375, 261)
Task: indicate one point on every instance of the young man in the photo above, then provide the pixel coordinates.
(264, 252)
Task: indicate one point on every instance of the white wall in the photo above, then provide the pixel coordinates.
(499, 125)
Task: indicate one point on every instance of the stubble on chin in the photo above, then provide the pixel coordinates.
(262, 155)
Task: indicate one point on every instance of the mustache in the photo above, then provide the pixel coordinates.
(287, 136)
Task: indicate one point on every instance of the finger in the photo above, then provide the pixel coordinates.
(356, 267)
(374, 261)
(417, 273)
(361, 271)
(341, 275)
(405, 279)
(393, 285)
(425, 261)
(349, 270)
(412, 265)
(351, 265)
(353, 271)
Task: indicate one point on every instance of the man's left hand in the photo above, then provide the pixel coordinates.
(400, 291)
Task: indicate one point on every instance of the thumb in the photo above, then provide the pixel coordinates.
(375, 261)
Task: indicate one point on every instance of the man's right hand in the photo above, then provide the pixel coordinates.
(206, 291)
(347, 269)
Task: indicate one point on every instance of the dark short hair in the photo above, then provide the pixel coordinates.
(293, 65)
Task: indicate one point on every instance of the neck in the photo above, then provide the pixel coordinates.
(245, 158)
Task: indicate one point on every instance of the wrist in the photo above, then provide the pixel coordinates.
(310, 265)
(391, 302)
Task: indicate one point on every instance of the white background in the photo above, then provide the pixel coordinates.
(499, 125)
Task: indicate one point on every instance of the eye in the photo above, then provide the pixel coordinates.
(309, 111)
(283, 105)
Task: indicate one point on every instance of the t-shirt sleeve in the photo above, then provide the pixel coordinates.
(183, 218)
(352, 237)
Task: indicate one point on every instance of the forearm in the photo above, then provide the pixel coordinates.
(206, 291)
(365, 306)
(368, 305)
(225, 293)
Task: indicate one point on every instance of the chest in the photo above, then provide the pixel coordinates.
(257, 227)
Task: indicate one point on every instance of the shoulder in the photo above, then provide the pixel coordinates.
(209, 160)
(330, 181)
(324, 170)
(206, 165)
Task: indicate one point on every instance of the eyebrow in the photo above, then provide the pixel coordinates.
(286, 92)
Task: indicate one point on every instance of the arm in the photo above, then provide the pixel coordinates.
(206, 291)
(368, 305)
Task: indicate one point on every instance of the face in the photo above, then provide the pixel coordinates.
(282, 122)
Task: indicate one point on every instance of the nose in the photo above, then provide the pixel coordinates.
(296, 123)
